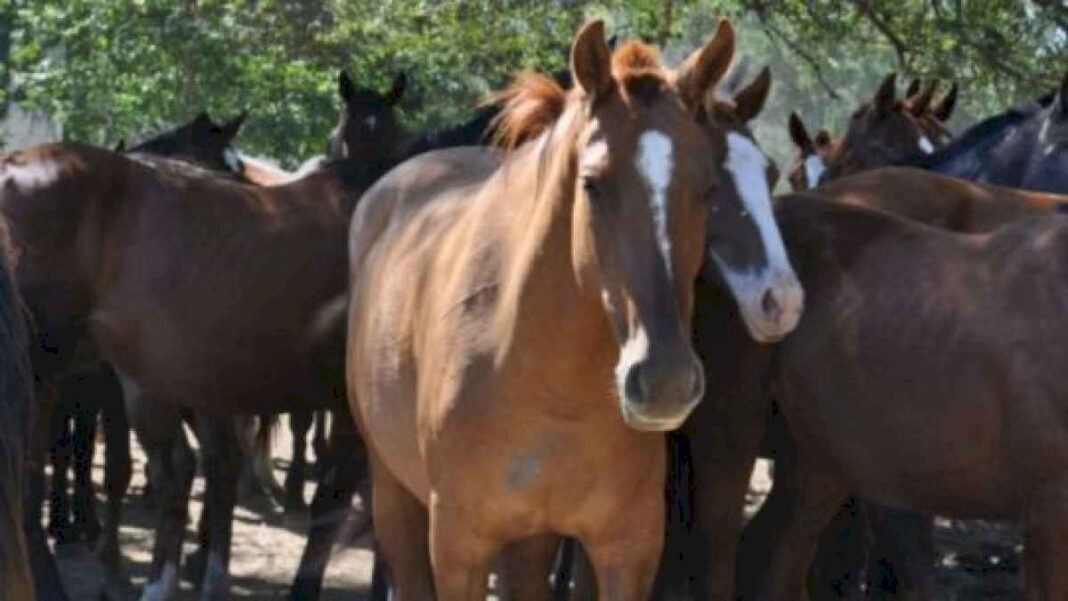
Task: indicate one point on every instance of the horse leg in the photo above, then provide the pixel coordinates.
(222, 464)
(118, 468)
(778, 545)
(333, 497)
(841, 554)
(46, 579)
(903, 555)
(402, 529)
(625, 560)
(319, 438)
(86, 523)
(1045, 524)
(525, 566)
(300, 423)
(59, 524)
(171, 466)
(459, 553)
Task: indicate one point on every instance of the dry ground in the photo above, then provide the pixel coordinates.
(978, 561)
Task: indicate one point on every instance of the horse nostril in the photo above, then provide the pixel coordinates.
(770, 304)
(633, 386)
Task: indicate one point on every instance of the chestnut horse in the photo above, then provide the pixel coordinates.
(923, 376)
(482, 429)
(16, 408)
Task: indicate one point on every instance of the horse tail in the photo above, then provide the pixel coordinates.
(16, 398)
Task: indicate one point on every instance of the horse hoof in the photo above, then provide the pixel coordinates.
(195, 565)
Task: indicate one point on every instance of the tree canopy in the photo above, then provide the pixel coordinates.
(111, 69)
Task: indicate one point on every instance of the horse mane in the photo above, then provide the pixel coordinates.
(533, 102)
(980, 136)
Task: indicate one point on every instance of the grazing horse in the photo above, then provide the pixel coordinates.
(16, 409)
(482, 430)
(924, 376)
(155, 260)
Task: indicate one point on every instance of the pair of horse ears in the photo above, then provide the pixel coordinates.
(203, 128)
(591, 63)
(918, 100)
(347, 89)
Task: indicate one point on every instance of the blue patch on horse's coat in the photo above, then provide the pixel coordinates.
(525, 470)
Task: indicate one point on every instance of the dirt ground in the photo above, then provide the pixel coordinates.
(265, 553)
(977, 561)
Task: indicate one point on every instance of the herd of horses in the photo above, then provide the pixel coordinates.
(554, 339)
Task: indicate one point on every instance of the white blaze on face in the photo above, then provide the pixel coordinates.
(926, 146)
(814, 168)
(748, 165)
(655, 163)
(371, 122)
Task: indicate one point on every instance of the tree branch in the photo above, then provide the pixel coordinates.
(774, 33)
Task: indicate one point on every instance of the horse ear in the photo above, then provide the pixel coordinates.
(231, 127)
(613, 41)
(944, 110)
(703, 69)
(121, 146)
(201, 127)
(914, 87)
(345, 89)
(920, 104)
(591, 61)
(749, 101)
(884, 98)
(1062, 97)
(799, 134)
(400, 82)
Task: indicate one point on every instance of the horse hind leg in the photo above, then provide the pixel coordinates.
(59, 510)
(118, 467)
(222, 464)
(346, 468)
(86, 523)
(300, 422)
(1046, 544)
(171, 466)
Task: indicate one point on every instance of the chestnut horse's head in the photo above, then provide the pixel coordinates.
(883, 131)
(812, 154)
(368, 127)
(744, 242)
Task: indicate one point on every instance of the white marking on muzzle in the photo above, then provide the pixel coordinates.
(925, 145)
(814, 168)
(371, 122)
(655, 163)
(748, 165)
(634, 350)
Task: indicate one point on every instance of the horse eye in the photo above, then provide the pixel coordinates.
(589, 185)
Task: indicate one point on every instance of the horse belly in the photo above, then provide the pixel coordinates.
(924, 447)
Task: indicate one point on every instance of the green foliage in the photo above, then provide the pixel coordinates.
(108, 69)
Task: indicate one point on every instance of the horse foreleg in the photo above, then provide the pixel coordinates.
(625, 555)
(347, 467)
(59, 524)
(778, 544)
(525, 566)
(300, 423)
(902, 561)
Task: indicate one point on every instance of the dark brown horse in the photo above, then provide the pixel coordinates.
(16, 418)
(155, 260)
(602, 241)
(923, 376)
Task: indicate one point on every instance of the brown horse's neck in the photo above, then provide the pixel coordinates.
(544, 307)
